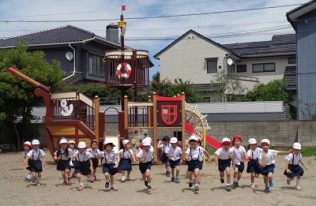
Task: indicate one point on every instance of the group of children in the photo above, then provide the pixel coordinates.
(84, 161)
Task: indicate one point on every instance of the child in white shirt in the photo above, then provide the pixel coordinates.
(27, 146)
(110, 163)
(239, 155)
(174, 156)
(293, 165)
(35, 157)
(253, 166)
(164, 145)
(63, 156)
(96, 158)
(267, 160)
(223, 157)
(126, 157)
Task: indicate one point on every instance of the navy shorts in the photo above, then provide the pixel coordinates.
(164, 159)
(267, 169)
(62, 165)
(145, 166)
(125, 164)
(174, 164)
(253, 166)
(240, 167)
(35, 166)
(296, 170)
(83, 168)
(109, 168)
(195, 164)
(28, 164)
(95, 162)
(223, 164)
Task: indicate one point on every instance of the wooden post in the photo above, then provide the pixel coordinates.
(155, 143)
(149, 112)
(97, 117)
(183, 122)
(125, 112)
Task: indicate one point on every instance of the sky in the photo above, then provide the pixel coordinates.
(233, 27)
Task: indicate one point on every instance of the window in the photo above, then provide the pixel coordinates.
(265, 67)
(242, 68)
(291, 60)
(95, 65)
(212, 65)
(206, 99)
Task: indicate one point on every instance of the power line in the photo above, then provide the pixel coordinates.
(151, 17)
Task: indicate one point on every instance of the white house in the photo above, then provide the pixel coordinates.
(196, 58)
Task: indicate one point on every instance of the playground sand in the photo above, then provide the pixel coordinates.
(14, 191)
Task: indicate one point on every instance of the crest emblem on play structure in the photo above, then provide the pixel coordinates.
(169, 114)
(66, 109)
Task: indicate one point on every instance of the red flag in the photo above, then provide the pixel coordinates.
(123, 7)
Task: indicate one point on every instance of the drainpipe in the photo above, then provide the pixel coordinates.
(74, 70)
(74, 51)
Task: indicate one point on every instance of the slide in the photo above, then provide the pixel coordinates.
(210, 141)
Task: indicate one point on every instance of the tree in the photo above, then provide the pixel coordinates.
(169, 88)
(272, 91)
(16, 96)
(229, 87)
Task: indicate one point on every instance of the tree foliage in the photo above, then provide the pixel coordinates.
(16, 95)
(169, 88)
(272, 91)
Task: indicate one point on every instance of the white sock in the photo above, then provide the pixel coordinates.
(298, 182)
(235, 179)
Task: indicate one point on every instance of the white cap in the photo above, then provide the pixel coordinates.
(71, 142)
(149, 138)
(225, 139)
(27, 143)
(193, 138)
(35, 142)
(252, 141)
(82, 145)
(146, 142)
(63, 141)
(125, 141)
(297, 145)
(173, 140)
(265, 141)
(108, 141)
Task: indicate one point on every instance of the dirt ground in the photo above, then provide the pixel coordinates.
(15, 191)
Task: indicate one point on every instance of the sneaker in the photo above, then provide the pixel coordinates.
(288, 181)
(172, 179)
(168, 173)
(267, 190)
(149, 187)
(112, 189)
(107, 184)
(271, 183)
(298, 188)
(228, 188)
(190, 184)
(253, 186)
(177, 180)
(196, 188)
(146, 183)
(235, 185)
(222, 180)
(123, 179)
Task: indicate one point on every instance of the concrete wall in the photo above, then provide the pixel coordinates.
(281, 133)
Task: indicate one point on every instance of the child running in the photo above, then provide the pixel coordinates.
(223, 157)
(126, 157)
(293, 165)
(194, 156)
(35, 158)
(27, 146)
(174, 156)
(146, 157)
(63, 156)
(267, 159)
(253, 166)
(83, 165)
(110, 160)
(239, 155)
(96, 157)
(164, 145)
(72, 163)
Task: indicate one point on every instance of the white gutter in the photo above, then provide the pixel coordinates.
(74, 51)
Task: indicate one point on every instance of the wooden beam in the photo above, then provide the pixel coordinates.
(155, 142)
(125, 112)
(97, 117)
